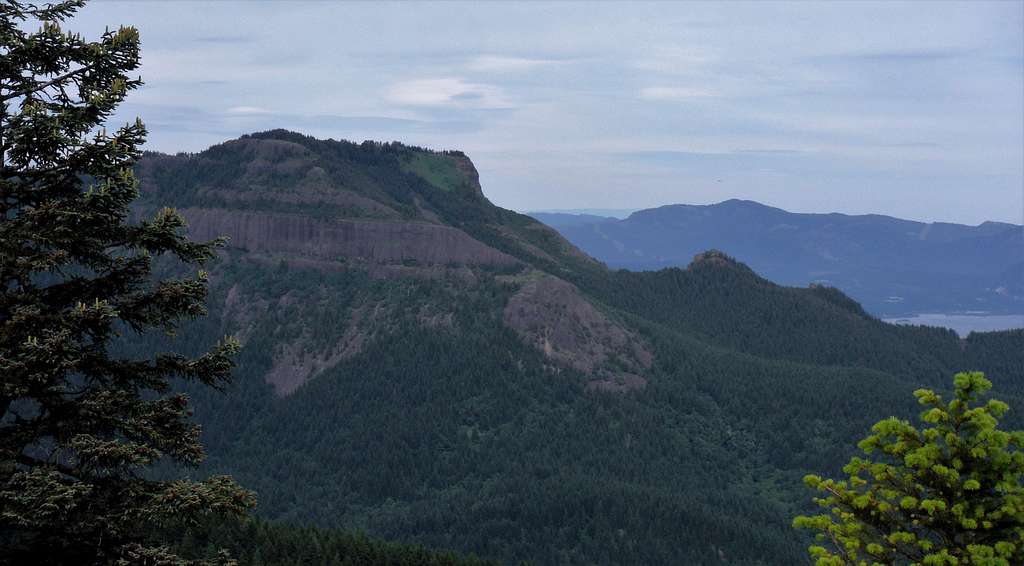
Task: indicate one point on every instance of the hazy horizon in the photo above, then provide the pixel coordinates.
(622, 213)
(911, 110)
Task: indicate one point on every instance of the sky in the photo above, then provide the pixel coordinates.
(913, 110)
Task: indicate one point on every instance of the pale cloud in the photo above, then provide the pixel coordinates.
(247, 111)
(449, 91)
(499, 63)
(675, 93)
(885, 102)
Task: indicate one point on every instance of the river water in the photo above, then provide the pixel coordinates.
(964, 324)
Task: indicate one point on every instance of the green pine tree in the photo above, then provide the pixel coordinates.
(949, 493)
(79, 425)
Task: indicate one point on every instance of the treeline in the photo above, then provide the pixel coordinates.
(451, 433)
(727, 304)
(258, 543)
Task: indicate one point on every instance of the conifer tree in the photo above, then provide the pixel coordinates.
(79, 425)
(947, 494)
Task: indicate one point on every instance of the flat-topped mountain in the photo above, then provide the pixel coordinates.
(388, 211)
(422, 365)
(373, 202)
(892, 266)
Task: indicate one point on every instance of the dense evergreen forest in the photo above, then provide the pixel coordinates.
(257, 543)
(423, 416)
(352, 340)
(891, 266)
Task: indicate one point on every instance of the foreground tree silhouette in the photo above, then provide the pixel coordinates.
(78, 425)
(950, 493)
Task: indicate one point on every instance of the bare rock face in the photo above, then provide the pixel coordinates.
(463, 164)
(301, 352)
(309, 193)
(372, 241)
(296, 362)
(551, 315)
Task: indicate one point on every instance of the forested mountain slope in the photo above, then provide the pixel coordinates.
(429, 368)
(892, 266)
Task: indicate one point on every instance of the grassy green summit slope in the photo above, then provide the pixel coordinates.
(438, 170)
(272, 177)
(427, 367)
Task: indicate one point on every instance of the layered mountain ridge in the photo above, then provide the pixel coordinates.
(386, 209)
(383, 203)
(893, 266)
(422, 365)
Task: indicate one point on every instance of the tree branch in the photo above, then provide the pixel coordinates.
(36, 88)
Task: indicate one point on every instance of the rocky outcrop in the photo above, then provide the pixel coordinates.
(296, 362)
(371, 241)
(551, 315)
(309, 194)
(466, 167)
